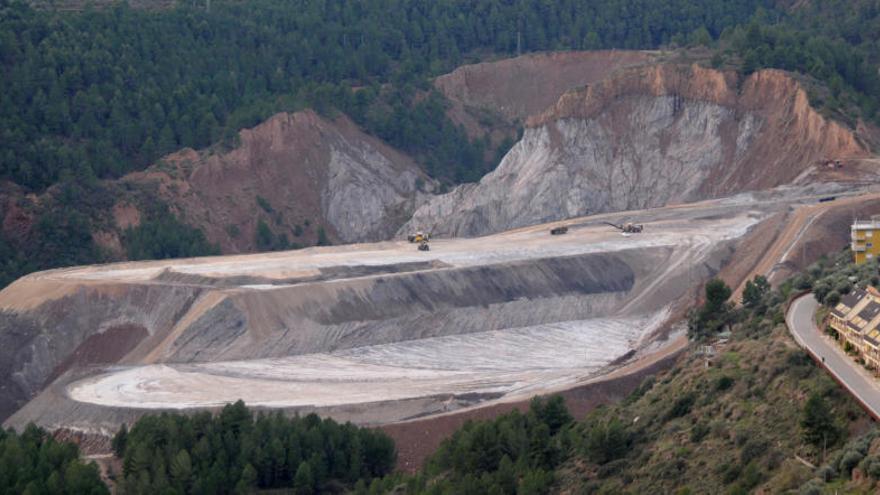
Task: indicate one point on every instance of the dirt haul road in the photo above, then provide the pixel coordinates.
(378, 333)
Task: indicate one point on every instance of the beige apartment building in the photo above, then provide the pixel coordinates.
(856, 318)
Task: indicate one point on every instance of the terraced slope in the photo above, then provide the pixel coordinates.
(372, 332)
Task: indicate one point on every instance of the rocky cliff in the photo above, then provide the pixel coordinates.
(292, 171)
(645, 137)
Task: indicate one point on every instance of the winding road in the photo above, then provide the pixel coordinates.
(802, 325)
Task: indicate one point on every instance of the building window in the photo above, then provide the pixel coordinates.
(869, 244)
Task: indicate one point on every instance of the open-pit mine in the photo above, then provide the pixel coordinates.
(382, 332)
(728, 175)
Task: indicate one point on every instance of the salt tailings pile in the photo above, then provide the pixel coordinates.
(372, 332)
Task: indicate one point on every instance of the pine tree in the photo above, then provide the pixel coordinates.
(248, 480)
(303, 482)
(819, 428)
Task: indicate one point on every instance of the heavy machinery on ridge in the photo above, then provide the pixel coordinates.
(418, 237)
(421, 239)
(627, 228)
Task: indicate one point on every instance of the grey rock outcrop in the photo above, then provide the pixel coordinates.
(366, 196)
(644, 137)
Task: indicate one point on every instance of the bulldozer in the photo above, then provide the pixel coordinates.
(418, 238)
(627, 228)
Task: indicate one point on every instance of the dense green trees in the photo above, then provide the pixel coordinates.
(104, 92)
(58, 232)
(515, 453)
(235, 452)
(34, 463)
(164, 236)
(835, 42)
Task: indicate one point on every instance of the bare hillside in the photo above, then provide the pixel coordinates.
(292, 170)
(517, 88)
(645, 137)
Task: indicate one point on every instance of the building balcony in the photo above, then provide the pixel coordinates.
(858, 248)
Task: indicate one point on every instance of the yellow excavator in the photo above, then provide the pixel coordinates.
(418, 237)
(421, 239)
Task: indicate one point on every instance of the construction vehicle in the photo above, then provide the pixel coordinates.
(418, 237)
(423, 246)
(627, 228)
(562, 229)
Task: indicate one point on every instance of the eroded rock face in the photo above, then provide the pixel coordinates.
(367, 196)
(308, 170)
(642, 138)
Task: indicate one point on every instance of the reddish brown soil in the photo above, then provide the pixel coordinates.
(793, 136)
(519, 87)
(88, 443)
(492, 99)
(17, 222)
(107, 347)
(126, 215)
(282, 162)
(418, 439)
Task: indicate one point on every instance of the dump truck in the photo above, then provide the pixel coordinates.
(627, 228)
(562, 229)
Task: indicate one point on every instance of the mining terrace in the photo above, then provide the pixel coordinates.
(381, 333)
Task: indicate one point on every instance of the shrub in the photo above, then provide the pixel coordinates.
(753, 449)
(264, 204)
(832, 299)
(826, 472)
(643, 388)
(817, 422)
(812, 487)
(699, 432)
(681, 406)
(607, 441)
(723, 383)
(850, 460)
(870, 465)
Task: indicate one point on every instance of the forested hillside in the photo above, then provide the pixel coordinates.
(235, 452)
(836, 42)
(35, 463)
(106, 92)
(98, 93)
